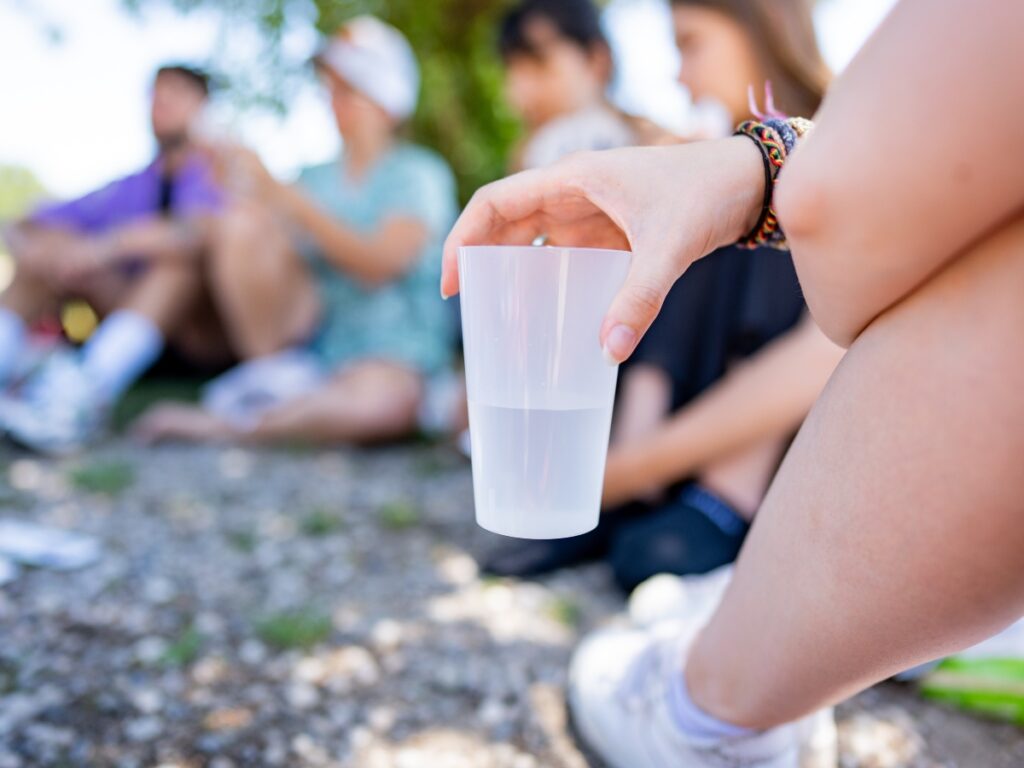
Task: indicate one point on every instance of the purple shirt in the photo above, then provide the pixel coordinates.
(192, 191)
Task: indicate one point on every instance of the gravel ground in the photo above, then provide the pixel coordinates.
(320, 609)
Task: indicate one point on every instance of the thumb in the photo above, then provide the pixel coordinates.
(635, 306)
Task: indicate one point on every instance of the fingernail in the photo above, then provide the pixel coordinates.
(618, 344)
(444, 294)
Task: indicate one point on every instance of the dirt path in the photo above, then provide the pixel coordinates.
(320, 609)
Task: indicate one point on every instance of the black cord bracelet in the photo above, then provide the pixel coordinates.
(768, 189)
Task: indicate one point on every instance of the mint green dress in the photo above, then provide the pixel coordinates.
(404, 320)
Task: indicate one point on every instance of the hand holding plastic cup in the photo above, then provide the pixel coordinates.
(540, 390)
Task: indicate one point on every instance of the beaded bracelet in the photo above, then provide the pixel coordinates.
(776, 136)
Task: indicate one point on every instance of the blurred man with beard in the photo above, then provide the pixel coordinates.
(132, 251)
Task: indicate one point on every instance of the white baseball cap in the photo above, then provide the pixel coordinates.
(376, 59)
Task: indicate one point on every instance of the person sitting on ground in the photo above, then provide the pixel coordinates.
(732, 364)
(328, 288)
(558, 66)
(891, 534)
(131, 250)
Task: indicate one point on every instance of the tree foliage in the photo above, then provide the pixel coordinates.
(19, 189)
(461, 112)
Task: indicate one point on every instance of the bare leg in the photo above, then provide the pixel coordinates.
(892, 533)
(644, 401)
(28, 296)
(372, 401)
(32, 293)
(742, 478)
(165, 294)
(369, 402)
(264, 292)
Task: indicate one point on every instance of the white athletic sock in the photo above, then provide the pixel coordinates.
(13, 333)
(122, 348)
(694, 721)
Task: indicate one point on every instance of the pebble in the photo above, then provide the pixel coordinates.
(143, 729)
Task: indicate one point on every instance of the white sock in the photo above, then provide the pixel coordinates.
(694, 721)
(13, 333)
(122, 348)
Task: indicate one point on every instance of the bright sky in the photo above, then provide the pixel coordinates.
(75, 111)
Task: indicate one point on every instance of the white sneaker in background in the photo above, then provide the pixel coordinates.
(666, 596)
(57, 411)
(243, 395)
(618, 693)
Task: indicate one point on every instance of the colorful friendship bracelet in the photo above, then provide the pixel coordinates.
(776, 136)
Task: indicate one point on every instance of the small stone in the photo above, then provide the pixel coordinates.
(302, 696)
(143, 729)
(387, 634)
(491, 713)
(158, 591)
(381, 719)
(148, 701)
(229, 719)
(252, 652)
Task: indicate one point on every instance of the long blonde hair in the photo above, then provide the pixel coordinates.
(782, 32)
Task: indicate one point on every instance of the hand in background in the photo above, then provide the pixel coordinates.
(241, 171)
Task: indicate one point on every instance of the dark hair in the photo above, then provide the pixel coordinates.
(576, 20)
(782, 32)
(199, 77)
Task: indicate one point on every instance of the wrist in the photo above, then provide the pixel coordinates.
(746, 188)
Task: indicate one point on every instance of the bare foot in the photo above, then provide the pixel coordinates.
(182, 422)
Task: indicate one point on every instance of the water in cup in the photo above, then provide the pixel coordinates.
(538, 472)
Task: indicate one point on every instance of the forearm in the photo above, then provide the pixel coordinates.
(366, 257)
(913, 158)
(767, 396)
(159, 239)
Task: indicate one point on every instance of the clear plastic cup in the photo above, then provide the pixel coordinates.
(540, 390)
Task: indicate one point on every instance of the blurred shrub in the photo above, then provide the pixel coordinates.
(19, 190)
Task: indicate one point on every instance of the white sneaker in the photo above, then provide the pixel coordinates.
(666, 596)
(57, 411)
(618, 694)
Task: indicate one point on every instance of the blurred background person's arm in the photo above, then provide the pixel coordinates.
(764, 397)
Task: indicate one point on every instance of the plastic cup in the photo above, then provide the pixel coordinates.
(540, 390)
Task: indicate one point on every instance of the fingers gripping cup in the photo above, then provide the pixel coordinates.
(540, 390)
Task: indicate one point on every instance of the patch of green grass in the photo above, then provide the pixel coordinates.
(299, 447)
(321, 522)
(8, 677)
(431, 464)
(301, 628)
(564, 611)
(184, 650)
(109, 477)
(148, 392)
(398, 515)
(243, 541)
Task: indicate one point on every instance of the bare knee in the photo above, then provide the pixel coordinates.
(241, 230)
(29, 294)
